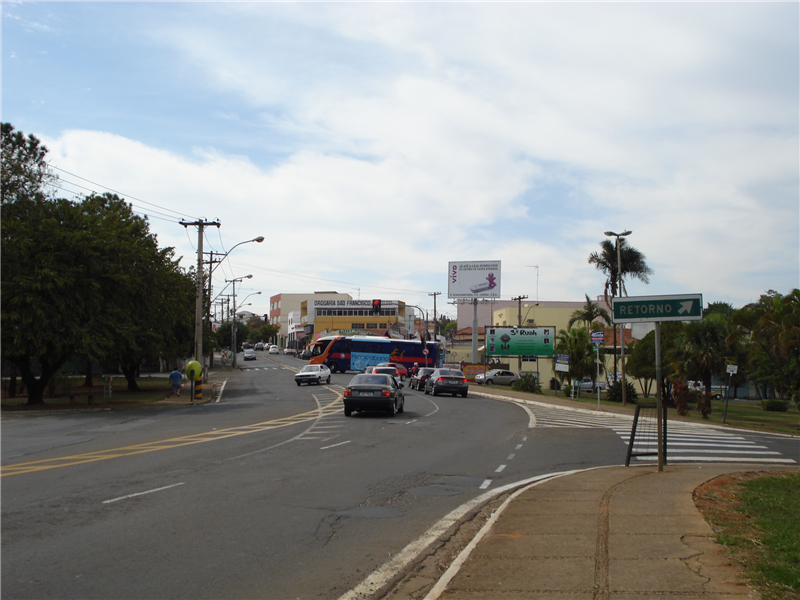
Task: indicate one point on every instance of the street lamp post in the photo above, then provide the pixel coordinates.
(233, 323)
(619, 290)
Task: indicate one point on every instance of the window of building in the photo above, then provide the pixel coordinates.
(356, 325)
(372, 326)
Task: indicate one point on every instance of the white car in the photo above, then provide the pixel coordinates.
(291, 351)
(586, 385)
(313, 374)
(496, 376)
(273, 349)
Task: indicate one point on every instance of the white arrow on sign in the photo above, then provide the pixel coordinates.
(685, 307)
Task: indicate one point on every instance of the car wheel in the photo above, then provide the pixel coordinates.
(392, 410)
(489, 382)
(433, 391)
(298, 383)
(347, 412)
(319, 380)
(328, 380)
(333, 367)
(464, 395)
(402, 406)
(402, 377)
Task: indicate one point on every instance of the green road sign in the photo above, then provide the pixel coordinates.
(520, 341)
(652, 309)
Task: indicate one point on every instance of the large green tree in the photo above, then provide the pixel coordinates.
(770, 328)
(25, 172)
(577, 344)
(81, 279)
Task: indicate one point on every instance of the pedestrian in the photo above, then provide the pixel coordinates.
(175, 379)
(224, 358)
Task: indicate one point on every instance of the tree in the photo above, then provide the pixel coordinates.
(80, 279)
(700, 353)
(577, 344)
(25, 174)
(589, 313)
(771, 330)
(632, 264)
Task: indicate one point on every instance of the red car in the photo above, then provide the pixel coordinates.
(402, 372)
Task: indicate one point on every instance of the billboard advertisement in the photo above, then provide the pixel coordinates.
(520, 341)
(477, 279)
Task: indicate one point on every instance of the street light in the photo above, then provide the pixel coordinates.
(621, 330)
(233, 324)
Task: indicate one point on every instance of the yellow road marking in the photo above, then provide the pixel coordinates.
(197, 438)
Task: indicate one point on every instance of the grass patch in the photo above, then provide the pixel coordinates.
(151, 389)
(757, 517)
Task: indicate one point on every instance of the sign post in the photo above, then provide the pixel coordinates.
(598, 338)
(732, 370)
(656, 309)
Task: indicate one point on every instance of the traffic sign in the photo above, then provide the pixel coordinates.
(652, 309)
(598, 337)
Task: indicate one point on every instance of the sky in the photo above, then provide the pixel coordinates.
(372, 143)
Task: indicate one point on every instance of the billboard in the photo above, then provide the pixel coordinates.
(479, 279)
(520, 341)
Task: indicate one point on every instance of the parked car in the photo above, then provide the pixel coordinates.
(273, 349)
(259, 346)
(496, 377)
(246, 345)
(447, 381)
(250, 354)
(313, 374)
(586, 385)
(373, 391)
(401, 369)
(291, 351)
(305, 354)
(418, 379)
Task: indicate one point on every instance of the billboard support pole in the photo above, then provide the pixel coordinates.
(474, 330)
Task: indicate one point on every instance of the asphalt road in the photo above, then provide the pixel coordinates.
(271, 493)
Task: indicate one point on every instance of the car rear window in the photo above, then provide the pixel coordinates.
(370, 380)
(450, 373)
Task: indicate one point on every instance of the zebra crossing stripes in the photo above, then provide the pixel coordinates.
(685, 442)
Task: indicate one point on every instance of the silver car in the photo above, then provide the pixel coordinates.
(313, 374)
(496, 377)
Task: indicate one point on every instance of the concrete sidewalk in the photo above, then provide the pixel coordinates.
(608, 533)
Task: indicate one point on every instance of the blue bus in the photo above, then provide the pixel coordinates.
(356, 353)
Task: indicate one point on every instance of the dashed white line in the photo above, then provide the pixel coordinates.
(510, 457)
(486, 483)
(500, 469)
(334, 445)
(166, 487)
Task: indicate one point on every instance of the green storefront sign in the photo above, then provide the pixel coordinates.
(520, 341)
(652, 309)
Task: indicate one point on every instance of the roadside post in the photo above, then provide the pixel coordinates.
(732, 370)
(194, 371)
(598, 338)
(656, 309)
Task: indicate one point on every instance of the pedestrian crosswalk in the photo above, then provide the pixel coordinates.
(686, 442)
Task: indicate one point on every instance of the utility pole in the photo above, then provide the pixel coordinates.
(211, 262)
(435, 323)
(519, 300)
(198, 310)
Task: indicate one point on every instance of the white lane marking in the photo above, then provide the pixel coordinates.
(486, 484)
(500, 469)
(511, 457)
(334, 445)
(519, 447)
(434, 403)
(524, 438)
(383, 574)
(166, 487)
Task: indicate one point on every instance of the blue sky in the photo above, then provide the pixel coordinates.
(371, 143)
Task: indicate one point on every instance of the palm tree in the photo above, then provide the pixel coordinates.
(632, 264)
(589, 314)
(576, 343)
(700, 353)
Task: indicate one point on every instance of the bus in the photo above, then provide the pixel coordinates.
(356, 353)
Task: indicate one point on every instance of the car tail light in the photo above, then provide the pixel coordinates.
(441, 379)
(464, 380)
(348, 392)
(385, 393)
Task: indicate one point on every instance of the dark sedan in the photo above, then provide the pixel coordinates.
(418, 378)
(447, 381)
(373, 391)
